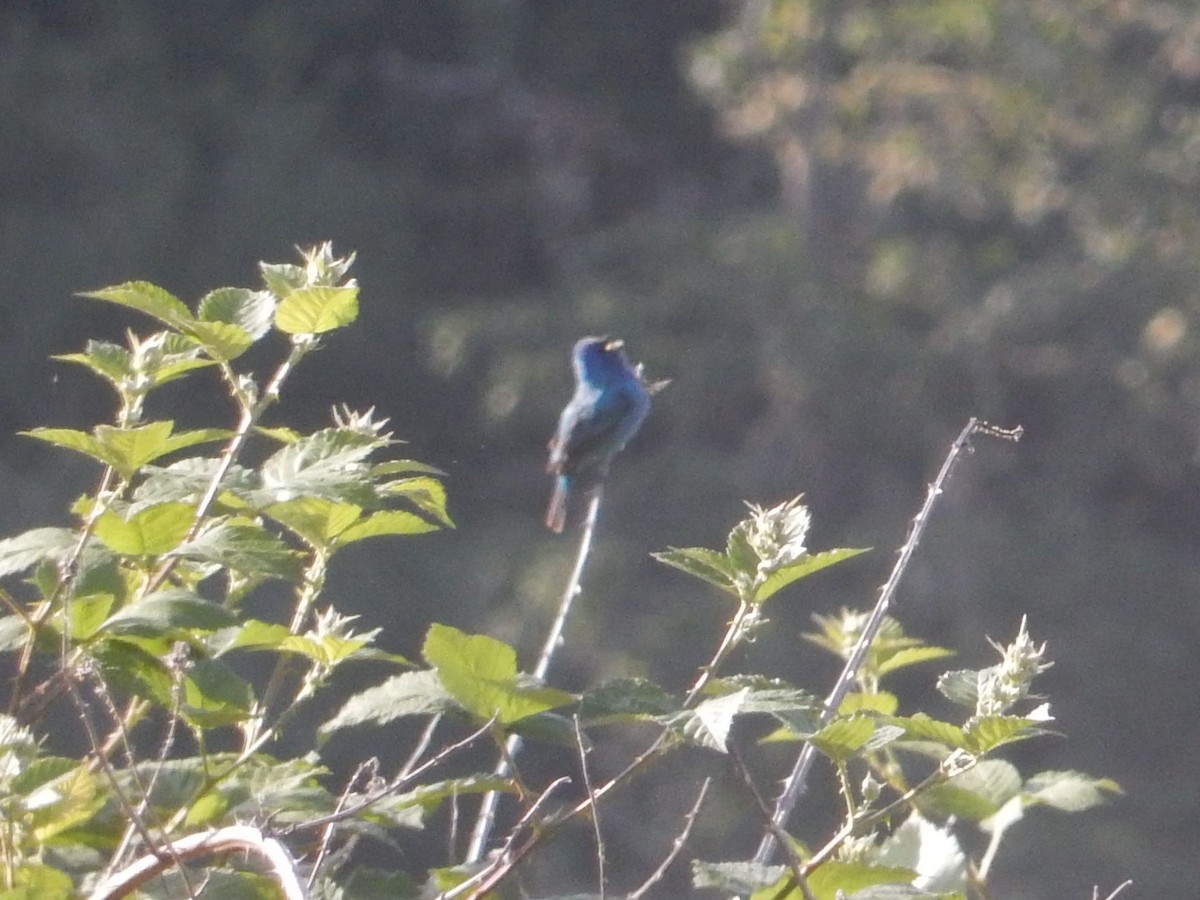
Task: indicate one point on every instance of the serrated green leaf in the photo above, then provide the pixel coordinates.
(880, 702)
(843, 738)
(709, 723)
(251, 311)
(88, 613)
(63, 802)
(110, 361)
(734, 877)
(25, 550)
(910, 656)
(153, 531)
(282, 278)
(166, 611)
(14, 632)
(35, 881)
(960, 686)
(317, 309)
(128, 668)
(932, 851)
(806, 565)
(626, 700)
(220, 340)
(214, 695)
(986, 733)
(835, 878)
(920, 727)
(708, 565)
(317, 520)
(1068, 791)
(384, 522)
(188, 479)
(147, 298)
(70, 439)
(253, 634)
(480, 672)
(976, 793)
(330, 463)
(424, 494)
(408, 694)
(740, 554)
(244, 546)
(404, 467)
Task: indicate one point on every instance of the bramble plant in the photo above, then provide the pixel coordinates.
(133, 622)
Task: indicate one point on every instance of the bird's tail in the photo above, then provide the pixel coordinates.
(556, 512)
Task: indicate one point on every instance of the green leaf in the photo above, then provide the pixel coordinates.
(188, 479)
(932, 851)
(69, 438)
(130, 669)
(153, 531)
(251, 311)
(317, 520)
(408, 694)
(1068, 791)
(14, 631)
(88, 614)
(920, 727)
(221, 341)
(977, 793)
(806, 565)
(385, 522)
(25, 550)
(708, 565)
(147, 298)
(426, 495)
(126, 449)
(65, 802)
(282, 278)
(404, 467)
(834, 878)
(480, 672)
(960, 686)
(626, 700)
(168, 611)
(315, 310)
(34, 881)
(986, 733)
(709, 723)
(110, 361)
(843, 738)
(214, 695)
(330, 463)
(244, 546)
(734, 877)
(910, 656)
(877, 702)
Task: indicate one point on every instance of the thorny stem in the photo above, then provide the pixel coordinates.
(796, 782)
(487, 807)
(251, 413)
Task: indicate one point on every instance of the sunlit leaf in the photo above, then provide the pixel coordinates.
(316, 309)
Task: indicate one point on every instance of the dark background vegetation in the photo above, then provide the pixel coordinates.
(842, 228)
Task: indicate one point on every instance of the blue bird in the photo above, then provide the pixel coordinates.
(611, 399)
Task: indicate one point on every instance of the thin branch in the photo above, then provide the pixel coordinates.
(587, 784)
(677, 845)
(241, 838)
(487, 807)
(400, 781)
(796, 782)
(794, 863)
(510, 854)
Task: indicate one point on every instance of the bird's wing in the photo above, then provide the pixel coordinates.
(589, 438)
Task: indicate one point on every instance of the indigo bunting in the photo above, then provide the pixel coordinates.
(611, 399)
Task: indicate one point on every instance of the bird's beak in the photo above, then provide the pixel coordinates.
(615, 344)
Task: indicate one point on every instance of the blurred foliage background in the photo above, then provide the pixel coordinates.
(841, 227)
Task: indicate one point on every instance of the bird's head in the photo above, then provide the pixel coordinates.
(597, 357)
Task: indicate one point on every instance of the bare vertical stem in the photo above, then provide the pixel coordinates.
(796, 783)
(487, 808)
